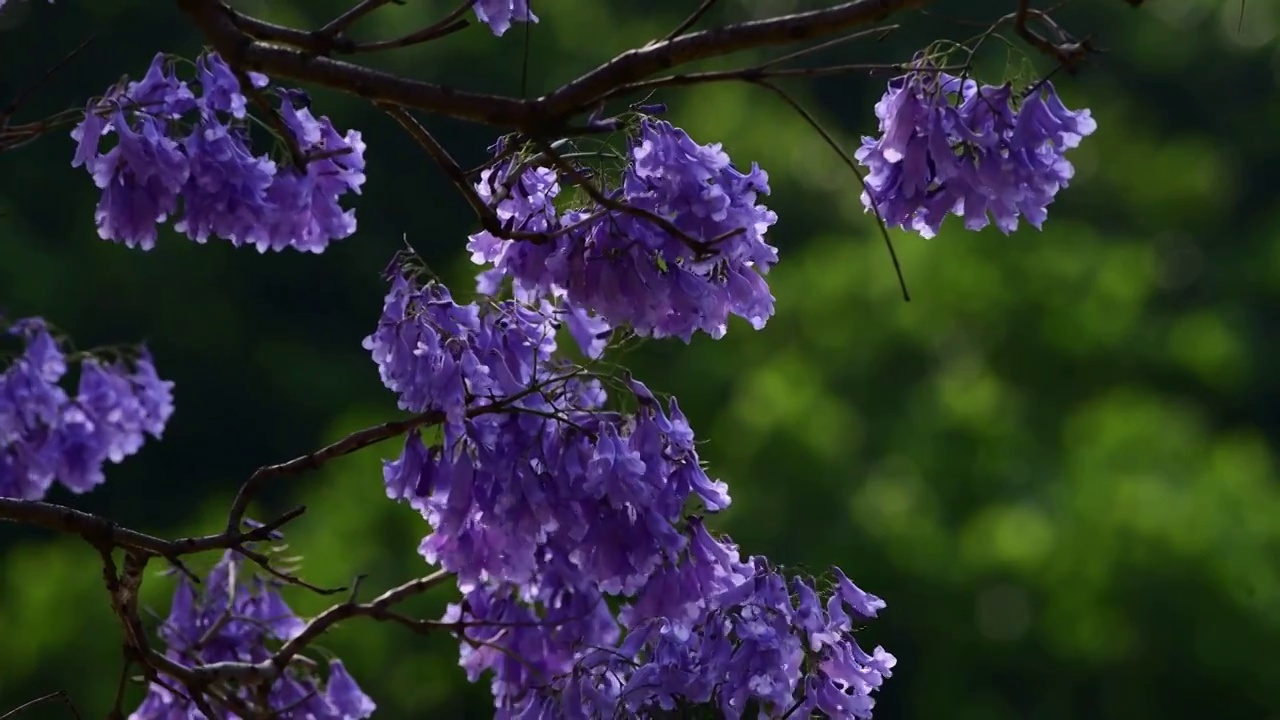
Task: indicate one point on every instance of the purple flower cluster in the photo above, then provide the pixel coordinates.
(47, 434)
(626, 266)
(950, 145)
(173, 145)
(707, 630)
(499, 14)
(533, 483)
(769, 642)
(238, 618)
(546, 505)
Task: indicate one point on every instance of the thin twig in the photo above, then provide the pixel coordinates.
(848, 161)
(346, 610)
(351, 443)
(55, 695)
(314, 460)
(761, 72)
(690, 21)
(880, 34)
(101, 530)
(437, 152)
(117, 706)
(635, 65)
(336, 26)
(447, 25)
(288, 578)
(25, 92)
(1066, 51)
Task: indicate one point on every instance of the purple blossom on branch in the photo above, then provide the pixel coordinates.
(534, 482)
(239, 618)
(189, 157)
(48, 434)
(588, 589)
(760, 644)
(628, 269)
(499, 14)
(980, 152)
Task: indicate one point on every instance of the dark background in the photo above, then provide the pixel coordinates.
(1056, 464)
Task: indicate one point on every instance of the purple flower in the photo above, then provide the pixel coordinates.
(345, 696)
(242, 618)
(749, 643)
(526, 641)
(623, 267)
(47, 435)
(220, 89)
(499, 14)
(534, 482)
(552, 510)
(140, 180)
(306, 215)
(31, 404)
(950, 145)
(226, 195)
(154, 395)
(159, 93)
(681, 591)
(590, 331)
(173, 144)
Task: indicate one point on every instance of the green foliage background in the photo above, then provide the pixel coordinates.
(1057, 464)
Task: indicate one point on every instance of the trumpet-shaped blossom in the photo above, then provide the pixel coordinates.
(757, 644)
(499, 14)
(678, 250)
(980, 152)
(48, 434)
(534, 482)
(238, 618)
(188, 157)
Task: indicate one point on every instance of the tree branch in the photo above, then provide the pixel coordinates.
(635, 65)
(233, 35)
(218, 23)
(97, 529)
(339, 24)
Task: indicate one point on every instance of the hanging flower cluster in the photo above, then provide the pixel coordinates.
(979, 152)
(188, 157)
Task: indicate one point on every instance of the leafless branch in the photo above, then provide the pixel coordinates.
(25, 92)
(99, 530)
(437, 152)
(690, 21)
(848, 161)
(447, 25)
(376, 608)
(1063, 48)
(123, 580)
(229, 32)
(314, 460)
(339, 24)
(58, 695)
(762, 72)
(117, 705)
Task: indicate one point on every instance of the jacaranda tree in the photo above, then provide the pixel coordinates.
(563, 498)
